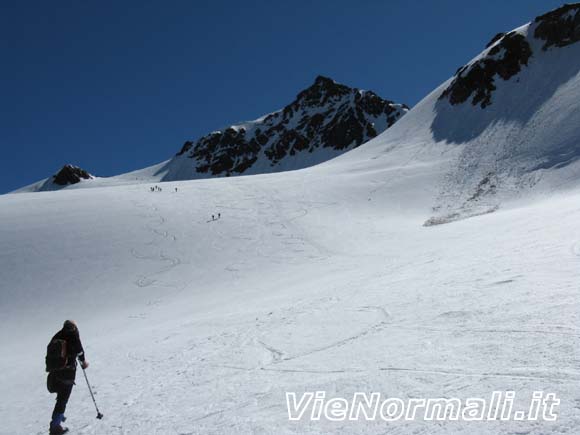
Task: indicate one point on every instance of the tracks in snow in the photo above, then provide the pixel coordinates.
(160, 235)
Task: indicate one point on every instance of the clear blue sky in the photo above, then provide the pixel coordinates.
(118, 85)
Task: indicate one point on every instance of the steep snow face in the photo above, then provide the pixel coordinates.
(528, 134)
(325, 120)
(507, 124)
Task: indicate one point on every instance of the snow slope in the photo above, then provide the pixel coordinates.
(200, 327)
(324, 278)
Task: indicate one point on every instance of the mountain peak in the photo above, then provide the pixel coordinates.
(70, 174)
(321, 90)
(325, 120)
(323, 81)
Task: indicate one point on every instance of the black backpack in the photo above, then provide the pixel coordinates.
(56, 355)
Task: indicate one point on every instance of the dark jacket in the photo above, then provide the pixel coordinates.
(74, 349)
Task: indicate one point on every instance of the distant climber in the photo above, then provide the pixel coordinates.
(61, 364)
(219, 215)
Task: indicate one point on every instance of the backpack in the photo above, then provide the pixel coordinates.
(56, 355)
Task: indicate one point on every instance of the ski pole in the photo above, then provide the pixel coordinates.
(99, 415)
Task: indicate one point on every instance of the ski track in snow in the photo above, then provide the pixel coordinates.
(159, 221)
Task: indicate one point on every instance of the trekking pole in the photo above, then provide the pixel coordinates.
(99, 415)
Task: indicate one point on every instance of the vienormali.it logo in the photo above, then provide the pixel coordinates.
(372, 406)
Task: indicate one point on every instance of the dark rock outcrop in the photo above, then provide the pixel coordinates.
(327, 115)
(505, 59)
(70, 174)
(509, 53)
(559, 27)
